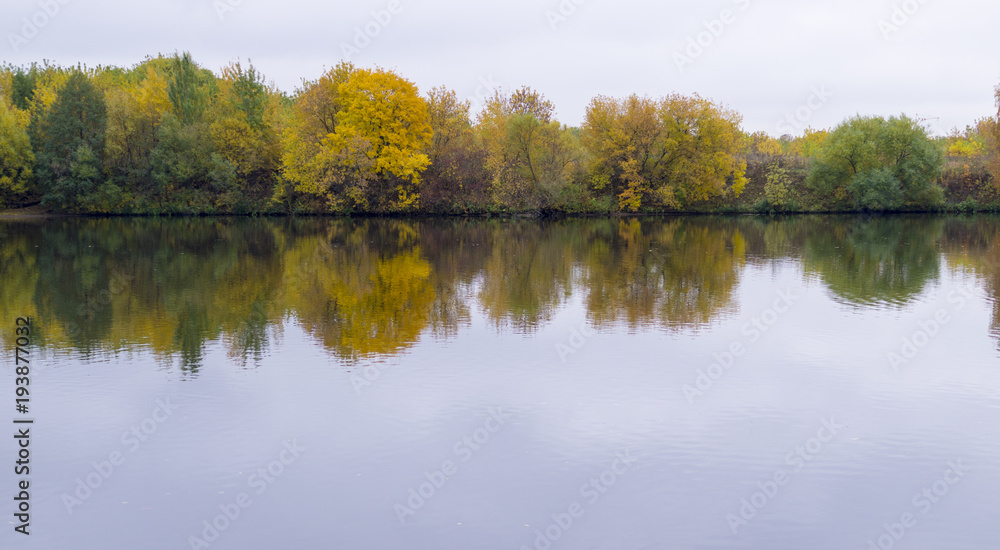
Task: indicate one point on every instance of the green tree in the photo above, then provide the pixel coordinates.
(23, 87)
(245, 134)
(248, 95)
(186, 168)
(189, 89)
(877, 164)
(68, 137)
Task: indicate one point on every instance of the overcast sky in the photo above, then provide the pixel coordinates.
(817, 62)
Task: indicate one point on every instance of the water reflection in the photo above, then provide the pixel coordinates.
(375, 287)
(672, 273)
(971, 244)
(872, 260)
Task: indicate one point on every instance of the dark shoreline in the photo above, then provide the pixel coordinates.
(16, 214)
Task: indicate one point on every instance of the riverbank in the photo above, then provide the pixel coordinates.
(33, 211)
(967, 188)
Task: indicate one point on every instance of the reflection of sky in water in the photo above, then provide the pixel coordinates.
(622, 389)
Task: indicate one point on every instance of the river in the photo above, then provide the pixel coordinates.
(815, 382)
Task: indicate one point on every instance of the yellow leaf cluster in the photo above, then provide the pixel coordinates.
(664, 153)
(356, 131)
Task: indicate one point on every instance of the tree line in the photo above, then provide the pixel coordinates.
(168, 136)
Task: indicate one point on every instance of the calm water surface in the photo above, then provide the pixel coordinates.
(802, 384)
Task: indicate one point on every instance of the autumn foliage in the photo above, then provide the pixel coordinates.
(168, 136)
(665, 153)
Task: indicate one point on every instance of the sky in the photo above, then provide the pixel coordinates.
(783, 65)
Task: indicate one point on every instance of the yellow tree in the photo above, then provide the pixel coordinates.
(624, 138)
(702, 144)
(357, 138)
(964, 145)
(308, 162)
(16, 157)
(664, 154)
(387, 112)
(529, 156)
(810, 143)
(763, 146)
(6, 85)
(48, 82)
(134, 115)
